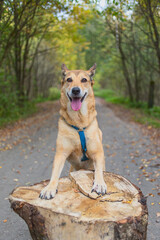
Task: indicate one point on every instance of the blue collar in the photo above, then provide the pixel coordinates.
(83, 141)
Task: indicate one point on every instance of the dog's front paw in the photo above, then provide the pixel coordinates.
(48, 192)
(99, 188)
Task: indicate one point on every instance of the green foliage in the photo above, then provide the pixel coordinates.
(147, 121)
(104, 93)
(155, 111)
(110, 96)
(12, 112)
(10, 109)
(40, 99)
(54, 93)
(141, 113)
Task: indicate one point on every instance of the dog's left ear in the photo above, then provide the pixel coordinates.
(92, 71)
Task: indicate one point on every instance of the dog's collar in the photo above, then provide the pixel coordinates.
(82, 139)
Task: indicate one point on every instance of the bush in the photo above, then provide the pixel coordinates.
(11, 112)
(54, 93)
(104, 93)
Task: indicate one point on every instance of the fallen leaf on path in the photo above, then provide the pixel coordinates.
(151, 194)
(16, 180)
(5, 220)
(152, 180)
(141, 167)
(107, 146)
(158, 214)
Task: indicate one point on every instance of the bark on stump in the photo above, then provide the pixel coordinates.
(75, 213)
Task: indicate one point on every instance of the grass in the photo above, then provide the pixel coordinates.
(142, 114)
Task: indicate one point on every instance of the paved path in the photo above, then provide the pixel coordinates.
(27, 153)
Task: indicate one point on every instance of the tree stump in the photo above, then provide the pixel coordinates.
(75, 213)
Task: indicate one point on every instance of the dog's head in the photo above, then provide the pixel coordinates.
(77, 85)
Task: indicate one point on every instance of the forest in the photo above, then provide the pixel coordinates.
(36, 37)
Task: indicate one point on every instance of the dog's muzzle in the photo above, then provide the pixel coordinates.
(76, 98)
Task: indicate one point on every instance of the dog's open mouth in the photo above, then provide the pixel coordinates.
(76, 102)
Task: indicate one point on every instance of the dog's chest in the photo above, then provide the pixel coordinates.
(77, 154)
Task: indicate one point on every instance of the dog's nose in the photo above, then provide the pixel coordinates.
(76, 90)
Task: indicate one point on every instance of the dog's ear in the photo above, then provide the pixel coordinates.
(92, 71)
(64, 70)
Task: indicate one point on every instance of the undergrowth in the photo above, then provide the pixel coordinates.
(141, 112)
(11, 110)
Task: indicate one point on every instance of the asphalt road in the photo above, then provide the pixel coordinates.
(28, 149)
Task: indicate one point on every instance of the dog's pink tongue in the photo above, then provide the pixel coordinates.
(76, 104)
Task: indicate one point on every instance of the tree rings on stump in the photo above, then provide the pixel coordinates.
(75, 213)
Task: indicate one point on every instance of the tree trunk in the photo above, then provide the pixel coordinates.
(135, 69)
(151, 94)
(17, 54)
(124, 65)
(75, 213)
(155, 30)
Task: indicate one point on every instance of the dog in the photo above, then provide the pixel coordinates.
(79, 138)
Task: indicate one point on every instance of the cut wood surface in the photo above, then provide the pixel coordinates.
(75, 213)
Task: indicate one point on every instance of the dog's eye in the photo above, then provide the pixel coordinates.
(69, 79)
(84, 80)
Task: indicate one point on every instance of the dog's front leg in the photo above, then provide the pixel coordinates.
(99, 186)
(50, 190)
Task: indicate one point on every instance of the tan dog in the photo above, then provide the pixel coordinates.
(77, 109)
